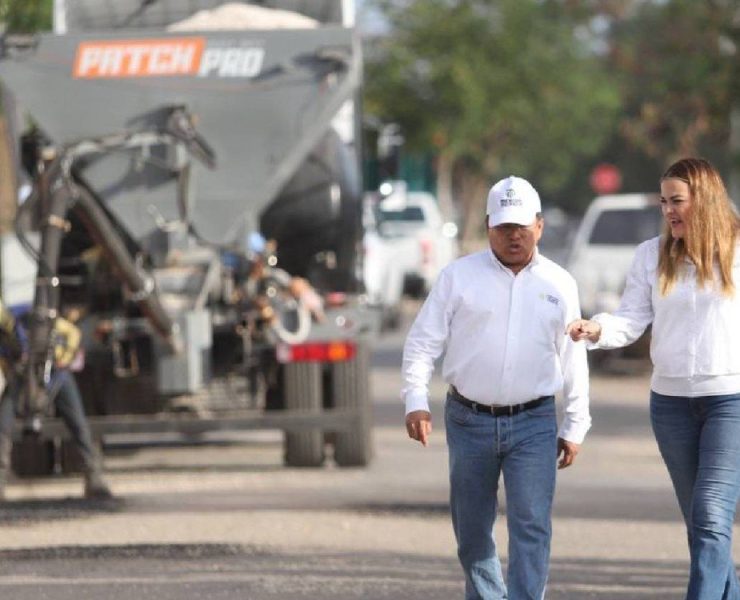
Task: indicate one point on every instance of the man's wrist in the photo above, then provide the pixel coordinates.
(416, 402)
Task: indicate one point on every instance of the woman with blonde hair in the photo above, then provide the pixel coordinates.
(685, 283)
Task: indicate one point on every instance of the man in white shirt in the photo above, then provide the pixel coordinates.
(501, 316)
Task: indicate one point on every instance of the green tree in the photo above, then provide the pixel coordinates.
(677, 68)
(16, 16)
(679, 71)
(26, 16)
(497, 87)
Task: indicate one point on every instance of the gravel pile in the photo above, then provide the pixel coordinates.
(236, 15)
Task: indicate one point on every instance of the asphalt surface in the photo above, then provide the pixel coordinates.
(225, 519)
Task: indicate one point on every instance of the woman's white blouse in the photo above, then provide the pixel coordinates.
(696, 329)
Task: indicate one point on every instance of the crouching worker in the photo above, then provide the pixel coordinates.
(63, 392)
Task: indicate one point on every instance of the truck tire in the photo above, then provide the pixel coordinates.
(351, 390)
(302, 386)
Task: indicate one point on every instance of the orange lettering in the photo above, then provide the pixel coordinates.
(138, 58)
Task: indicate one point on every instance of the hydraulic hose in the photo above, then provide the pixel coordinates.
(141, 286)
(33, 400)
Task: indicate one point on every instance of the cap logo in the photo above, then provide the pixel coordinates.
(511, 199)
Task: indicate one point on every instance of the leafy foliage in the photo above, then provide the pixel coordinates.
(679, 71)
(549, 88)
(505, 86)
(26, 16)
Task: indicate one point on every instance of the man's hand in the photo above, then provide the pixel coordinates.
(567, 452)
(582, 329)
(419, 425)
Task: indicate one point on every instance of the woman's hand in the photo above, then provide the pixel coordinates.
(583, 329)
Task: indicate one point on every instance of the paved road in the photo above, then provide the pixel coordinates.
(226, 520)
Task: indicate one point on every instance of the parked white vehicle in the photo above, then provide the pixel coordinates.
(416, 215)
(407, 244)
(383, 268)
(605, 244)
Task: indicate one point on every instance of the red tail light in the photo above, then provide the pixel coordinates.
(316, 352)
(335, 299)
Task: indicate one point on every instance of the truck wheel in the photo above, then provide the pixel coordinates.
(351, 390)
(302, 385)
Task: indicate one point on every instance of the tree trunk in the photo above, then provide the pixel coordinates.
(444, 186)
(7, 180)
(473, 193)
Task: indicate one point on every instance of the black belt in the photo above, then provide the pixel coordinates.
(496, 411)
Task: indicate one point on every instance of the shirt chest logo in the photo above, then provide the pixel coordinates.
(550, 298)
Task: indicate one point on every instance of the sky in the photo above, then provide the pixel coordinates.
(369, 19)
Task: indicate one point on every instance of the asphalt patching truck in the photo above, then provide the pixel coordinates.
(195, 206)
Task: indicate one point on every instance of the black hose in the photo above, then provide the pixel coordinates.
(142, 289)
(33, 400)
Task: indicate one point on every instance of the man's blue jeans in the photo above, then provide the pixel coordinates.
(523, 447)
(69, 406)
(699, 439)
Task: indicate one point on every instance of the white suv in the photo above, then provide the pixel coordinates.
(407, 243)
(604, 246)
(415, 218)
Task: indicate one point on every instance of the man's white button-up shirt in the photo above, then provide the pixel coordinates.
(503, 336)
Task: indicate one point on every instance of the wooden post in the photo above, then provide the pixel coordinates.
(8, 189)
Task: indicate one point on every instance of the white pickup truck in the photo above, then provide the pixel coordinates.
(605, 244)
(407, 243)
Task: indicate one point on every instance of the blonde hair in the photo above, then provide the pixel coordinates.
(711, 231)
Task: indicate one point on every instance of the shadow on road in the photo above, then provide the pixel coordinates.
(186, 571)
(575, 579)
(657, 505)
(42, 510)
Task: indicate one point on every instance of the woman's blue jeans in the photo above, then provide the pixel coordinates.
(523, 447)
(699, 439)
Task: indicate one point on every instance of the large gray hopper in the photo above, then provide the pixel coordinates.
(189, 317)
(263, 100)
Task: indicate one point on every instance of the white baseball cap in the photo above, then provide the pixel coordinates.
(512, 200)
